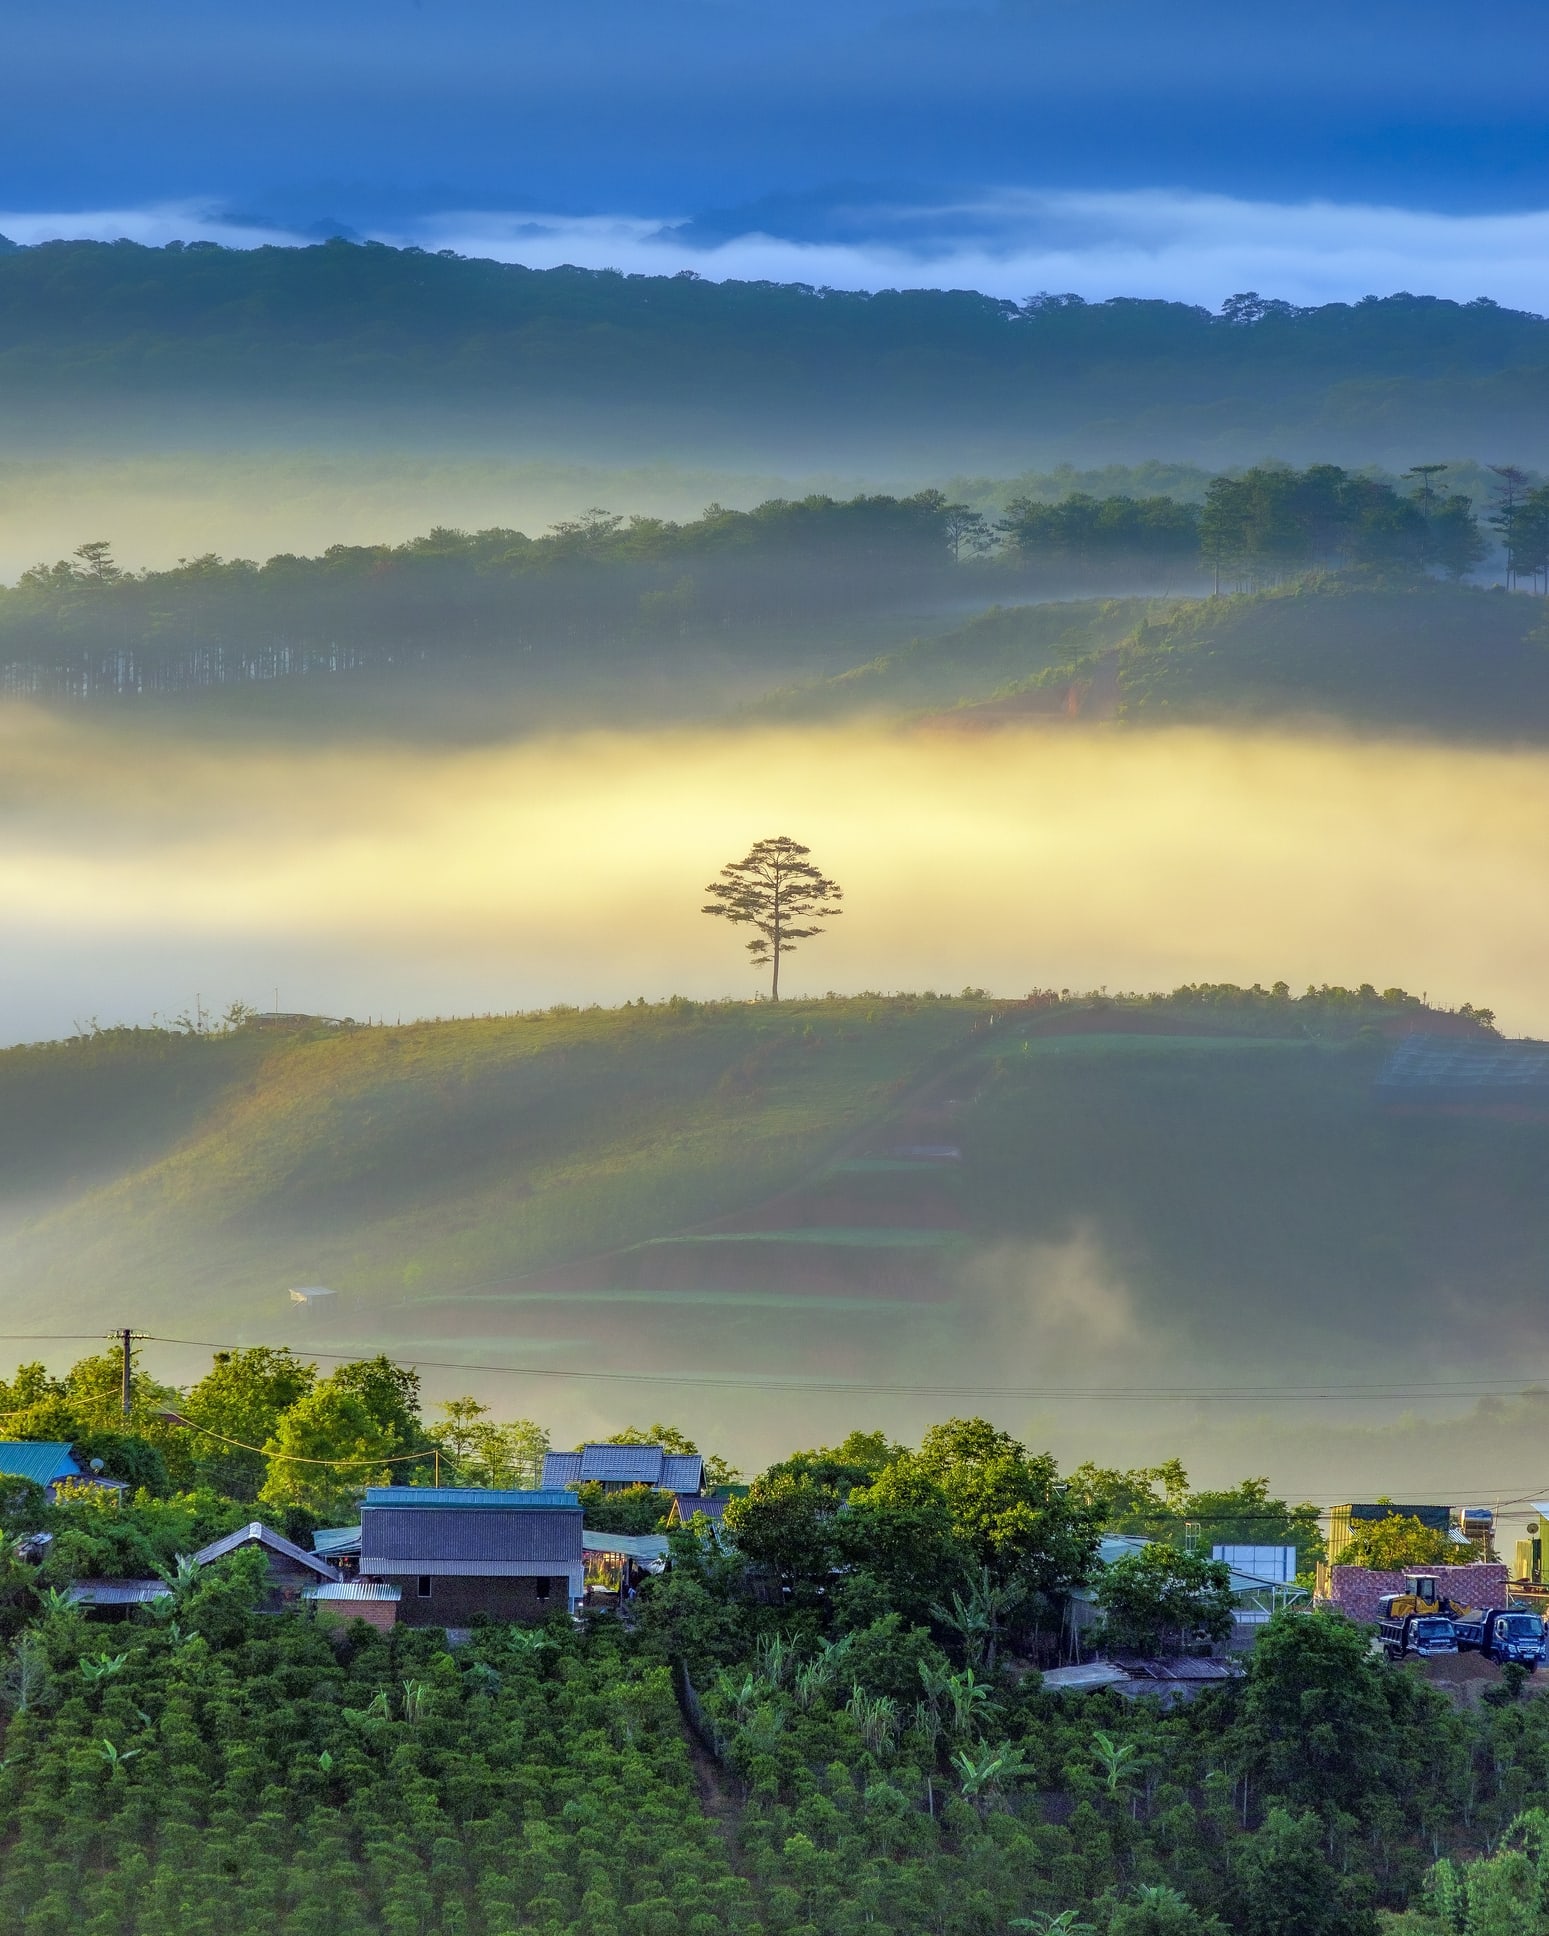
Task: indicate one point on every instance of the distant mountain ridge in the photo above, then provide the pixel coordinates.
(103, 338)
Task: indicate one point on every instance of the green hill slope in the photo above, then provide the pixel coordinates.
(1423, 656)
(906, 1190)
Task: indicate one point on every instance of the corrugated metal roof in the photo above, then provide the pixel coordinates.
(40, 1460)
(328, 1540)
(634, 1546)
(1081, 1680)
(117, 1593)
(452, 1498)
(689, 1503)
(398, 1539)
(256, 1533)
(630, 1465)
(353, 1590)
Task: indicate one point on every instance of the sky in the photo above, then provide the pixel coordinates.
(1106, 146)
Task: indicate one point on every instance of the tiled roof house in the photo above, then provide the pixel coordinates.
(614, 1466)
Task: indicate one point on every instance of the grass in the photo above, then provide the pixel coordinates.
(423, 1161)
(581, 1188)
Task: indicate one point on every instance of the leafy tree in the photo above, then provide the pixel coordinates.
(1397, 1541)
(775, 890)
(326, 1450)
(1161, 1596)
(786, 1524)
(243, 1396)
(1007, 1506)
(1324, 1725)
(1286, 1886)
(627, 1509)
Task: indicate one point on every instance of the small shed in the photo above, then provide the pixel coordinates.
(374, 1601)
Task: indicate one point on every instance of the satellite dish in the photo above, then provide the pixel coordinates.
(96, 1465)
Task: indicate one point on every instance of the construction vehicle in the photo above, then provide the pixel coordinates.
(1420, 1595)
(1422, 1634)
(1502, 1634)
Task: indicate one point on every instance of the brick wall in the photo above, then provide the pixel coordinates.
(454, 1599)
(1356, 1590)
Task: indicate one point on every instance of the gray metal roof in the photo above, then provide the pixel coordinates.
(116, 1593)
(630, 1465)
(634, 1546)
(689, 1503)
(417, 1539)
(329, 1540)
(625, 1465)
(256, 1533)
(353, 1590)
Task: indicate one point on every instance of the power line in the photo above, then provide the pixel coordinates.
(1472, 1388)
(1479, 1387)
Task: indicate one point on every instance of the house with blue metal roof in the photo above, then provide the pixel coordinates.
(457, 1551)
(50, 1463)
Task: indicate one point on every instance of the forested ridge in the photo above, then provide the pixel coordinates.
(88, 328)
(833, 1724)
(605, 587)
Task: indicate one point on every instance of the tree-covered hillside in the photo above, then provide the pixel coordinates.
(1380, 654)
(106, 338)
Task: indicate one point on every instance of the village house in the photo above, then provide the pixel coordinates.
(458, 1551)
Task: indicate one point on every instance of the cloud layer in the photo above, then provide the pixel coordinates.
(1006, 242)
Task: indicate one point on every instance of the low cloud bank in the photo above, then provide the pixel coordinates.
(1008, 242)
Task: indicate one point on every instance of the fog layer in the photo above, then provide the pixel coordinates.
(137, 871)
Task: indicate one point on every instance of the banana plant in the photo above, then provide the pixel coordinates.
(102, 1667)
(1114, 1759)
(116, 1757)
(984, 1773)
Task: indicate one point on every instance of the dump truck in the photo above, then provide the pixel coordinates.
(1501, 1634)
(1422, 1634)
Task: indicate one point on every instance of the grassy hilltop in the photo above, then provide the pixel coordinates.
(825, 1185)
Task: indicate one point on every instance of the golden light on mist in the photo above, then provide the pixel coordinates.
(572, 868)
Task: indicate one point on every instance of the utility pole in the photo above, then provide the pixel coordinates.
(126, 1339)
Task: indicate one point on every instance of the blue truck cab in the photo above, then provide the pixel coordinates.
(1502, 1634)
(1422, 1634)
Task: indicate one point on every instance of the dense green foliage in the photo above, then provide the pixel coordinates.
(119, 331)
(219, 1772)
(874, 1750)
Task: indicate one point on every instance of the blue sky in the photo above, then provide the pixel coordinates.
(1182, 146)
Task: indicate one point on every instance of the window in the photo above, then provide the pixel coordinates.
(424, 1586)
(543, 1588)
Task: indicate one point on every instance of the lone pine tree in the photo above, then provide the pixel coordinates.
(776, 890)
